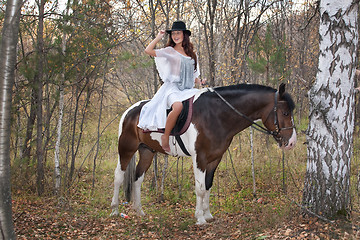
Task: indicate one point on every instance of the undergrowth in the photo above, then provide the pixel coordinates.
(277, 184)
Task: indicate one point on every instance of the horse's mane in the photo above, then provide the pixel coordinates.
(287, 97)
(247, 88)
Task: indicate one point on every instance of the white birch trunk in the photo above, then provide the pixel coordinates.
(7, 76)
(57, 172)
(331, 119)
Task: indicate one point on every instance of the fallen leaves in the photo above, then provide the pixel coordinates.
(41, 219)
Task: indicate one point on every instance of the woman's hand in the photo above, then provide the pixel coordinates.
(150, 48)
(160, 34)
(200, 82)
(203, 81)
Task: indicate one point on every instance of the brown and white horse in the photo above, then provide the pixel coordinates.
(218, 114)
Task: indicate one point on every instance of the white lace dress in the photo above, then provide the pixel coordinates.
(177, 73)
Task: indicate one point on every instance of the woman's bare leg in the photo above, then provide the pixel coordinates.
(170, 123)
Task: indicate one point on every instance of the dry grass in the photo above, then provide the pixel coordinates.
(238, 213)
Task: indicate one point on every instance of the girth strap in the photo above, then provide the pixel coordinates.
(182, 145)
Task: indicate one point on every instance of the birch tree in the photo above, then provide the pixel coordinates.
(7, 76)
(331, 119)
(57, 172)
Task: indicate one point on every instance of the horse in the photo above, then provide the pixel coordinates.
(218, 115)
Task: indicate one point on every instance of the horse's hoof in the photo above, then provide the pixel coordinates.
(209, 217)
(114, 212)
(201, 222)
(140, 213)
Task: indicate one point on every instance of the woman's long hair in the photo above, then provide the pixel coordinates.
(187, 45)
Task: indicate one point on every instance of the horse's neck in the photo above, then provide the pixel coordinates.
(251, 105)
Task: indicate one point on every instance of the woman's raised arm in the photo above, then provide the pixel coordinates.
(150, 49)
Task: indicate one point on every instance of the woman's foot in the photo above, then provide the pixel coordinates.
(165, 143)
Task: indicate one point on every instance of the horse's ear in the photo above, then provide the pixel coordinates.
(282, 89)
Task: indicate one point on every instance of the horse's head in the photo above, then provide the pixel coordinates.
(279, 119)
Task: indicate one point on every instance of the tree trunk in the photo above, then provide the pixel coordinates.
(252, 161)
(57, 170)
(7, 66)
(79, 114)
(166, 161)
(212, 69)
(331, 120)
(26, 151)
(153, 8)
(98, 130)
(207, 20)
(39, 97)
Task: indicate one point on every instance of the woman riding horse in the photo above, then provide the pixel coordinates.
(177, 67)
(218, 114)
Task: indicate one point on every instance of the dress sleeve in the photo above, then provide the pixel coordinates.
(167, 64)
(162, 64)
(197, 71)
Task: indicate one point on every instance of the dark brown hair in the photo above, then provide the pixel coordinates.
(187, 45)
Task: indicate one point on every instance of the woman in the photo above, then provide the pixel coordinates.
(178, 69)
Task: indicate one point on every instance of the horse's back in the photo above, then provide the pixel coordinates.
(131, 115)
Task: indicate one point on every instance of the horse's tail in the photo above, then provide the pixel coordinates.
(129, 178)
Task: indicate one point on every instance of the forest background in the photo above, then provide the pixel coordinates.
(80, 64)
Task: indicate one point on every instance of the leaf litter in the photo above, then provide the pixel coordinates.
(42, 219)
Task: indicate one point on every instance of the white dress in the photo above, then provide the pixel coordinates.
(177, 72)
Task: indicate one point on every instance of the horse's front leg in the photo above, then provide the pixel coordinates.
(203, 184)
(200, 191)
(209, 177)
(200, 197)
(207, 215)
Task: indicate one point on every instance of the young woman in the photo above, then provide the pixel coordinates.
(178, 69)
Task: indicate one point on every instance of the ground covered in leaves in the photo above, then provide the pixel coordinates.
(45, 218)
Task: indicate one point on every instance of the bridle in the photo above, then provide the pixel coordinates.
(276, 121)
(257, 126)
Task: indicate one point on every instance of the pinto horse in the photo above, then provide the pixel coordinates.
(218, 114)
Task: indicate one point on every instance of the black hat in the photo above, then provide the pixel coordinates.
(179, 26)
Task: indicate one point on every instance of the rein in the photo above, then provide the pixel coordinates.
(257, 126)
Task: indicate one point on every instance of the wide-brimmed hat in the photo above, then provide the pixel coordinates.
(179, 26)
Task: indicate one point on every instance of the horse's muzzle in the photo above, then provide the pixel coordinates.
(290, 144)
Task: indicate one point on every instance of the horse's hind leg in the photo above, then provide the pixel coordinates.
(126, 151)
(118, 180)
(146, 156)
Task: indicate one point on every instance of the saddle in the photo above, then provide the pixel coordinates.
(182, 123)
(184, 119)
